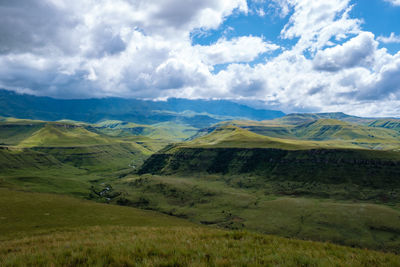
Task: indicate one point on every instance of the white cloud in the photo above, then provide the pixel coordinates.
(317, 22)
(358, 51)
(394, 2)
(139, 48)
(107, 47)
(391, 39)
(284, 7)
(241, 49)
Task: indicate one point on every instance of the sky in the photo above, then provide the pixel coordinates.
(289, 55)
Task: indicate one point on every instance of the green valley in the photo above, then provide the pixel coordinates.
(323, 180)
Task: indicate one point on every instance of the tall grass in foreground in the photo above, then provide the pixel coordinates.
(179, 246)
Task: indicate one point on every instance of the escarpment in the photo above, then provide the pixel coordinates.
(362, 167)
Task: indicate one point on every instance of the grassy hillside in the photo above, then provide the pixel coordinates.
(300, 118)
(324, 190)
(235, 151)
(146, 246)
(377, 169)
(329, 129)
(14, 159)
(43, 229)
(14, 133)
(63, 135)
(168, 131)
(233, 203)
(42, 172)
(238, 179)
(323, 129)
(327, 133)
(266, 128)
(24, 213)
(65, 157)
(235, 137)
(393, 124)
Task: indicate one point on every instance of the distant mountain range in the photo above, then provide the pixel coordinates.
(197, 113)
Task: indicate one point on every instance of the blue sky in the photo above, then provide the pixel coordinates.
(379, 17)
(291, 55)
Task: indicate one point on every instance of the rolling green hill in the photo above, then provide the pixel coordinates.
(258, 182)
(323, 180)
(329, 129)
(65, 157)
(232, 150)
(14, 133)
(169, 131)
(324, 129)
(63, 135)
(336, 133)
(301, 118)
(393, 124)
(232, 136)
(267, 128)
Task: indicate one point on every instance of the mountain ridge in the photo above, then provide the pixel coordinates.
(197, 113)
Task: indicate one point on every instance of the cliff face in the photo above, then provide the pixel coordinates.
(361, 167)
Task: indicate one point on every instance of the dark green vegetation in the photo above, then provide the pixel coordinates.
(50, 230)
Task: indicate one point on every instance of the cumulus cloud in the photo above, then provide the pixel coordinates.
(317, 22)
(241, 49)
(383, 84)
(113, 47)
(143, 49)
(358, 51)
